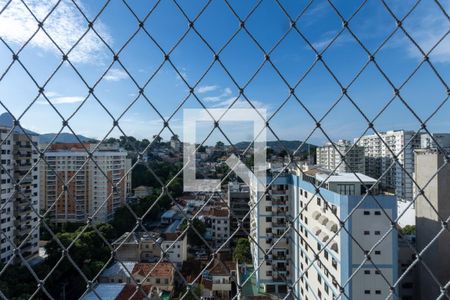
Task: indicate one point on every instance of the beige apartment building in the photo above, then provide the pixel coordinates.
(74, 187)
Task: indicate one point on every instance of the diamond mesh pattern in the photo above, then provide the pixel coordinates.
(69, 54)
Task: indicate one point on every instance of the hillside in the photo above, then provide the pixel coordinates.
(278, 146)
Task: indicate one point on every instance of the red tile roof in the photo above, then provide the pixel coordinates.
(162, 269)
(129, 289)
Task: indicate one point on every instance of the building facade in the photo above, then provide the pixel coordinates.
(380, 151)
(315, 256)
(432, 208)
(149, 247)
(74, 187)
(238, 199)
(19, 195)
(329, 156)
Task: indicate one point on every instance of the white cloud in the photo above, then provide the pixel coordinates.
(427, 29)
(61, 99)
(241, 103)
(225, 94)
(115, 74)
(65, 25)
(51, 94)
(207, 89)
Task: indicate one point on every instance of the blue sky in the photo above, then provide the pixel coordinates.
(241, 57)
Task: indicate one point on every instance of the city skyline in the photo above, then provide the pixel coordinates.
(242, 57)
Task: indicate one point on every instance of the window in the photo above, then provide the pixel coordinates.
(366, 232)
(367, 272)
(377, 213)
(366, 212)
(346, 189)
(367, 292)
(268, 219)
(377, 252)
(378, 292)
(318, 201)
(377, 232)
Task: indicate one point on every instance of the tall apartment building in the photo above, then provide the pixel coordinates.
(19, 202)
(329, 156)
(380, 160)
(315, 224)
(99, 187)
(435, 141)
(238, 199)
(430, 212)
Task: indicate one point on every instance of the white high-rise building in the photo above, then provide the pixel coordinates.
(19, 195)
(329, 156)
(380, 152)
(432, 141)
(99, 187)
(315, 232)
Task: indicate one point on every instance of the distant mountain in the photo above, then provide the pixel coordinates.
(63, 138)
(7, 120)
(277, 146)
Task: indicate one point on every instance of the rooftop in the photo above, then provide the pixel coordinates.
(129, 292)
(107, 291)
(169, 214)
(161, 269)
(125, 267)
(344, 177)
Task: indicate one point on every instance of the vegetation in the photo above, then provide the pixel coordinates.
(90, 253)
(125, 221)
(193, 237)
(408, 229)
(241, 252)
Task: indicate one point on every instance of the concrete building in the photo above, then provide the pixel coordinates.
(430, 212)
(435, 141)
(176, 144)
(379, 160)
(148, 247)
(316, 231)
(217, 280)
(329, 156)
(82, 187)
(19, 202)
(159, 276)
(238, 198)
(143, 191)
(407, 287)
(218, 222)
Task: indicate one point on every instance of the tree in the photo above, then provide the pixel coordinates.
(194, 293)
(283, 153)
(242, 252)
(408, 229)
(193, 237)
